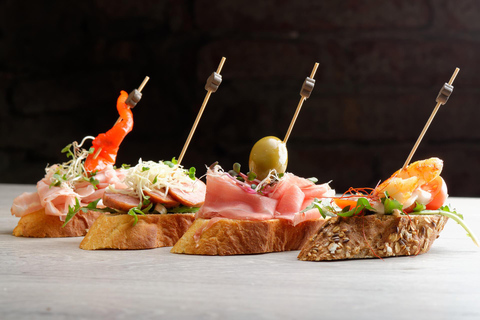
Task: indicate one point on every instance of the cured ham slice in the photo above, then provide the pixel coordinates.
(56, 199)
(227, 198)
(26, 203)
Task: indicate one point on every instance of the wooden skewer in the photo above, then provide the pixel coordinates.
(199, 115)
(429, 121)
(299, 107)
(140, 88)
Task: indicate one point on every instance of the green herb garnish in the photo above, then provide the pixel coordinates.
(68, 150)
(324, 210)
(191, 173)
(362, 204)
(72, 211)
(182, 209)
(251, 176)
(138, 210)
(313, 179)
(237, 167)
(419, 207)
(451, 213)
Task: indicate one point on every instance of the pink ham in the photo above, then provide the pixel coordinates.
(292, 194)
(226, 199)
(26, 203)
(56, 200)
(290, 203)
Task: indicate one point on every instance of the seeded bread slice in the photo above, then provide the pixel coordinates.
(230, 237)
(116, 231)
(371, 236)
(40, 225)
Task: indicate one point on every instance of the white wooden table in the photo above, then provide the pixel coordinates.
(54, 279)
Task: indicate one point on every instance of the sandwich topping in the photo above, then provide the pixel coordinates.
(73, 185)
(151, 176)
(416, 190)
(279, 196)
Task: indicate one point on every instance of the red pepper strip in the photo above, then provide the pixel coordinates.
(110, 141)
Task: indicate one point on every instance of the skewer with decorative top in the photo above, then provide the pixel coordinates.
(270, 153)
(307, 89)
(442, 98)
(213, 82)
(133, 98)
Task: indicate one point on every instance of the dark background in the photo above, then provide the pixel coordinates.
(382, 63)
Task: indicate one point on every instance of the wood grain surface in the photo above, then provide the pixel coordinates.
(54, 279)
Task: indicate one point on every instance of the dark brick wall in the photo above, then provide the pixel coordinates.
(382, 63)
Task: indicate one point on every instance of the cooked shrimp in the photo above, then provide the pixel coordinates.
(403, 183)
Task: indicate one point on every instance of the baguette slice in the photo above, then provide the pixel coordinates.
(230, 237)
(116, 231)
(40, 225)
(387, 235)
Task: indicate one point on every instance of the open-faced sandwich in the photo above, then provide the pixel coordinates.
(245, 215)
(400, 217)
(74, 185)
(154, 210)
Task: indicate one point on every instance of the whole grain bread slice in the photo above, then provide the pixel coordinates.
(116, 231)
(40, 225)
(230, 237)
(373, 236)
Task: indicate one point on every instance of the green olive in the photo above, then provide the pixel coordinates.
(267, 154)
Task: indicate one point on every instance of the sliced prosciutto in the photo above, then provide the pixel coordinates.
(225, 199)
(228, 198)
(56, 199)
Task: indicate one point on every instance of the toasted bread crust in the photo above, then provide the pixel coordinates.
(40, 225)
(230, 237)
(385, 235)
(116, 231)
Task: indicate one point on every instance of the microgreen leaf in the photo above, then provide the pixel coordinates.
(133, 214)
(67, 148)
(155, 180)
(280, 175)
(236, 167)
(94, 182)
(174, 161)
(183, 209)
(91, 150)
(68, 151)
(419, 207)
(145, 169)
(362, 204)
(126, 166)
(146, 201)
(232, 173)
(251, 176)
(191, 173)
(72, 211)
(324, 210)
(455, 216)
(391, 204)
(313, 179)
